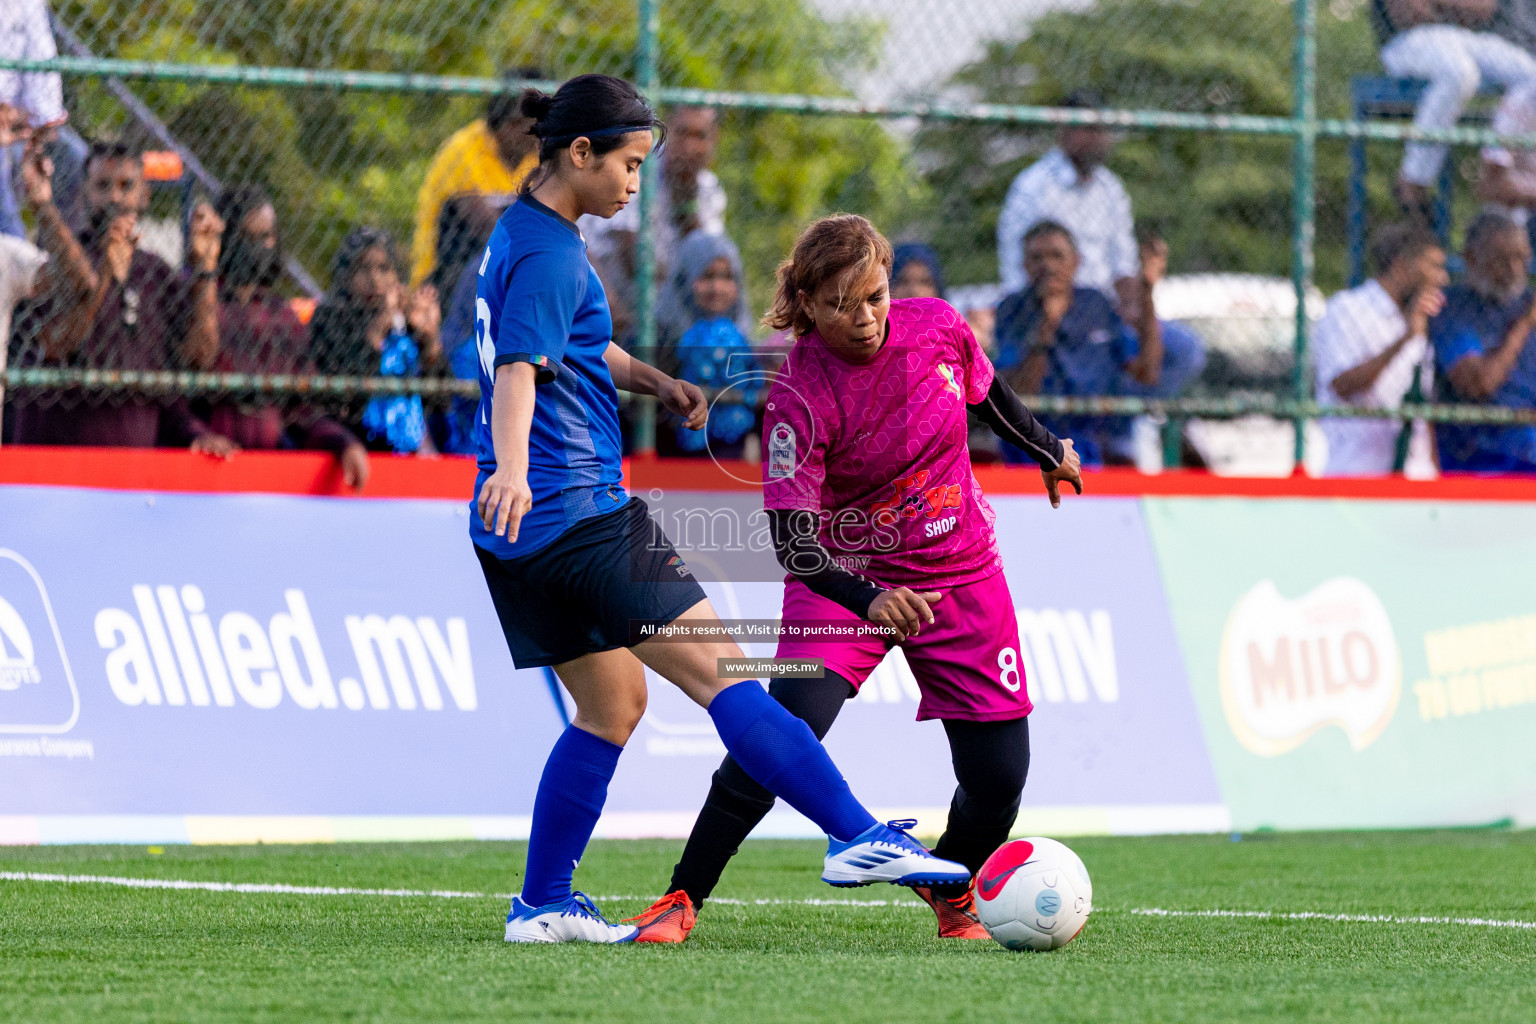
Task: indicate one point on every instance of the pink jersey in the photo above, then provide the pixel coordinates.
(880, 448)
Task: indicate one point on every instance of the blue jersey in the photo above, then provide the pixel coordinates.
(1092, 347)
(539, 301)
(1471, 325)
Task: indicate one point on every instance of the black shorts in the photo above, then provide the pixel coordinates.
(592, 589)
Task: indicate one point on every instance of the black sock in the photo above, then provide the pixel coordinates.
(991, 762)
(971, 836)
(726, 819)
(736, 803)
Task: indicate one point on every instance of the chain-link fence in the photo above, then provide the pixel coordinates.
(1257, 143)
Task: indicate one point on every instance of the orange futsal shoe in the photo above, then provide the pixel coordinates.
(669, 919)
(957, 916)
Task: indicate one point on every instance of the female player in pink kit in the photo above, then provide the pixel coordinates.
(865, 466)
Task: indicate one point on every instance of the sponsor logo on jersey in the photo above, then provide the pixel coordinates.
(911, 497)
(1292, 666)
(781, 452)
(949, 379)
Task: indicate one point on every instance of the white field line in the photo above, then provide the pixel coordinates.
(1309, 915)
(331, 890)
(260, 887)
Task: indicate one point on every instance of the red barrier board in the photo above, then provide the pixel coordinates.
(453, 477)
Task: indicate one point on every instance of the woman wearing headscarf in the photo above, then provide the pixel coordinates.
(703, 328)
(259, 333)
(915, 272)
(368, 325)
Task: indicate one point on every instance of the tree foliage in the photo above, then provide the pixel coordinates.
(1224, 201)
(333, 159)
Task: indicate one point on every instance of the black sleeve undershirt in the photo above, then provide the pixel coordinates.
(797, 544)
(796, 534)
(1013, 422)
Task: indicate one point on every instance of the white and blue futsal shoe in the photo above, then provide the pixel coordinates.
(573, 919)
(888, 853)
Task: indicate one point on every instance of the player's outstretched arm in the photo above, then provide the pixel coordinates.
(641, 378)
(1011, 420)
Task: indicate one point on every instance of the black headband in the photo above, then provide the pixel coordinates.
(623, 129)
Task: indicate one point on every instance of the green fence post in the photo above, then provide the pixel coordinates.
(1304, 202)
(645, 247)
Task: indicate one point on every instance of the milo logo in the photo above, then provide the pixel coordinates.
(1292, 666)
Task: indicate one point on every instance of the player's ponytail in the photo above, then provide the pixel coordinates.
(535, 105)
(843, 248)
(600, 108)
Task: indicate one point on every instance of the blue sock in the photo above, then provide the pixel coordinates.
(785, 757)
(565, 811)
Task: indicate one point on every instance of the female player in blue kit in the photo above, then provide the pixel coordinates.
(575, 566)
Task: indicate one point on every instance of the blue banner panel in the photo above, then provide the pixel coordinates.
(255, 655)
(233, 667)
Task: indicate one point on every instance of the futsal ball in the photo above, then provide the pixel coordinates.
(1033, 894)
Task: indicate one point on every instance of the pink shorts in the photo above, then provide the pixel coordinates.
(966, 663)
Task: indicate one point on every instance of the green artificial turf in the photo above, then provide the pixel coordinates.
(99, 953)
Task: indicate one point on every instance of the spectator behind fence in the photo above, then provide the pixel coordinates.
(30, 101)
(20, 262)
(489, 157)
(1071, 186)
(14, 133)
(453, 430)
(260, 333)
(916, 272)
(1506, 179)
(107, 304)
(1183, 348)
(1442, 41)
(1484, 350)
(1057, 338)
(703, 326)
(463, 228)
(977, 303)
(689, 198)
(368, 325)
(1371, 344)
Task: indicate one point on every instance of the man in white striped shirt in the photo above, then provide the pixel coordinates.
(1071, 186)
(1370, 344)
